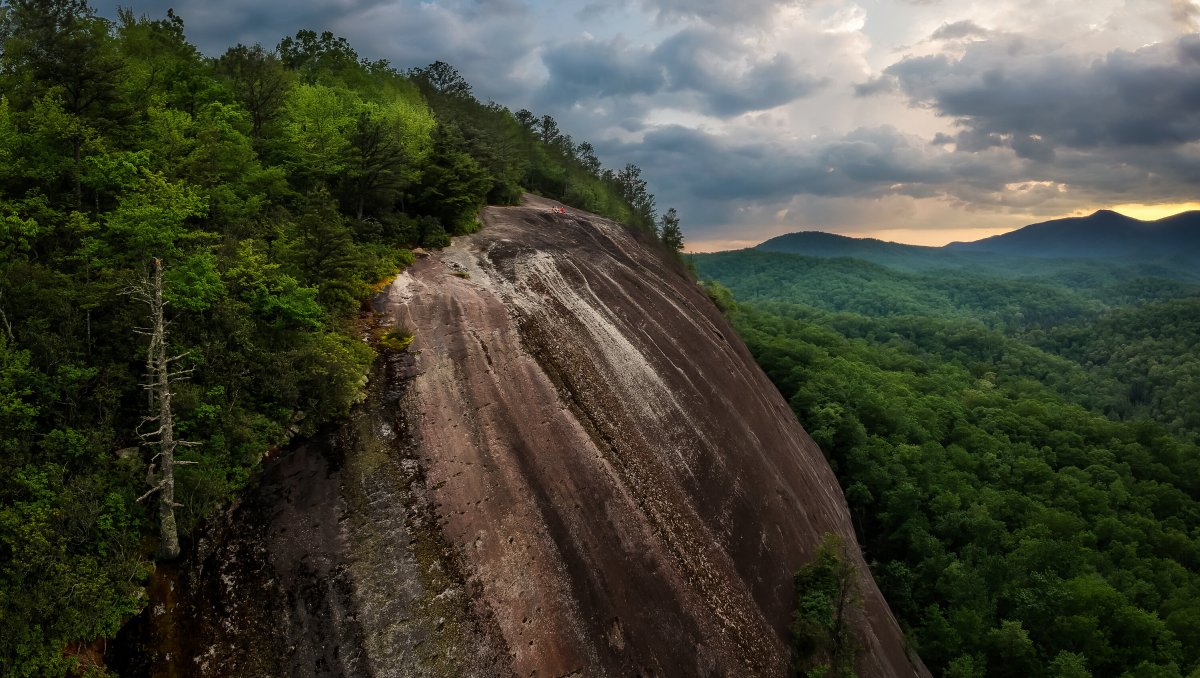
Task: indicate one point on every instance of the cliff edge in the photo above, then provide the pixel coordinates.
(626, 487)
(576, 469)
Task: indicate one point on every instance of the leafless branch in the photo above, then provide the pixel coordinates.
(154, 489)
(4, 317)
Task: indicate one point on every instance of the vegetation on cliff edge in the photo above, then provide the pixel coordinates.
(275, 185)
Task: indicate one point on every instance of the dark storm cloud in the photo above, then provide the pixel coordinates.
(704, 69)
(215, 25)
(697, 168)
(718, 12)
(717, 180)
(714, 176)
(729, 78)
(486, 40)
(1039, 102)
(1189, 50)
(594, 68)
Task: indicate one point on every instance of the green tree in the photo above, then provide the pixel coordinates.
(442, 78)
(319, 57)
(453, 186)
(324, 253)
(375, 174)
(159, 64)
(317, 122)
(668, 230)
(828, 611)
(260, 82)
(641, 201)
(59, 44)
(60, 49)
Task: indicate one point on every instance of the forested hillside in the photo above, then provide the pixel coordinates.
(1021, 455)
(275, 186)
(1006, 263)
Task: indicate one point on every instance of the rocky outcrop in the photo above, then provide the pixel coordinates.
(576, 470)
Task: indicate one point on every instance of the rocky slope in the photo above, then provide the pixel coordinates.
(576, 470)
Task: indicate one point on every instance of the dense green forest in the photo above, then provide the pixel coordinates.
(276, 186)
(1019, 452)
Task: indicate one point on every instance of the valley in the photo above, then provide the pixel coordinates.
(1016, 438)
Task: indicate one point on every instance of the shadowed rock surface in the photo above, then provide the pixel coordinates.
(578, 470)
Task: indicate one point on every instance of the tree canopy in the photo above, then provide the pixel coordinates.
(276, 186)
(1020, 457)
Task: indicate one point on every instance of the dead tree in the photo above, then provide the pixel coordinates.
(161, 473)
(4, 317)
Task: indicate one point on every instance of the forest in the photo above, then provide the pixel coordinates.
(1020, 451)
(275, 187)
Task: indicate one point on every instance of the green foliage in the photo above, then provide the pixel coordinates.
(720, 295)
(397, 339)
(317, 122)
(453, 186)
(277, 187)
(828, 608)
(669, 232)
(195, 284)
(1009, 450)
(520, 150)
(259, 82)
(432, 233)
(1129, 349)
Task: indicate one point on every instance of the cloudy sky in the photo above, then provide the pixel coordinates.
(920, 121)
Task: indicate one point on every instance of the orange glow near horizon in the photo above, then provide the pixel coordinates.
(936, 237)
(929, 237)
(932, 237)
(1147, 212)
(706, 246)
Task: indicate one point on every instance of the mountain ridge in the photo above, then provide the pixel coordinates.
(1102, 234)
(1167, 246)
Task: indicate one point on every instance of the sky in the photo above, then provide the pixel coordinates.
(919, 121)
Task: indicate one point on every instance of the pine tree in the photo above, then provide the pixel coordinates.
(669, 232)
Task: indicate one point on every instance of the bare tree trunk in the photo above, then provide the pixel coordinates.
(159, 376)
(4, 317)
(151, 387)
(77, 143)
(168, 546)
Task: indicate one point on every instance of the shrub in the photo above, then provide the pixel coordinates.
(396, 339)
(828, 608)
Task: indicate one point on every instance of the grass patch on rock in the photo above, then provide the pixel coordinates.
(396, 339)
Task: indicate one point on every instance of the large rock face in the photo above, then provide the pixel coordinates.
(577, 452)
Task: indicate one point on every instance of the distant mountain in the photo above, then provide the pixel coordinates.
(1168, 247)
(1103, 235)
(910, 258)
(892, 254)
(821, 244)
